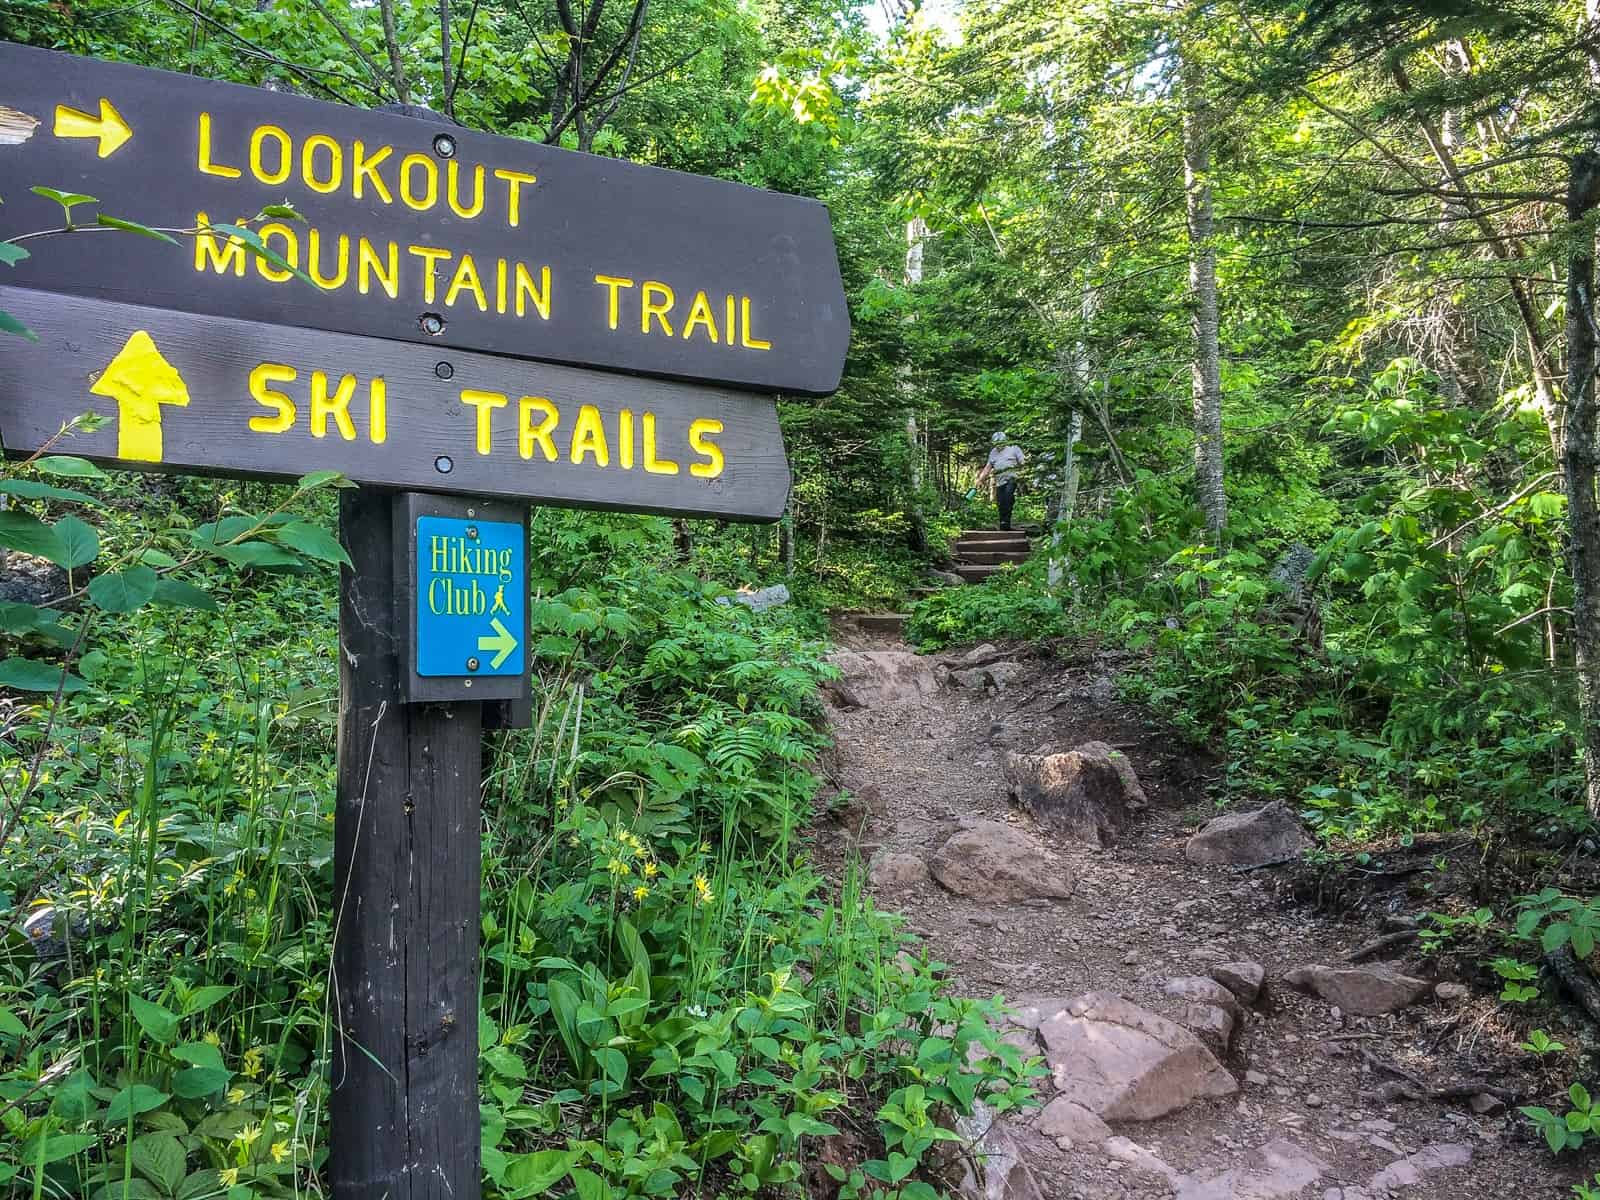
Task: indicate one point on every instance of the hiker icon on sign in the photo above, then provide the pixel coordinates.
(499, 605)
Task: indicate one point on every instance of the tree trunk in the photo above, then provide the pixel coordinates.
(916, 235)
(1069, 499)
(786, 542)
(1580, 458)
(1206, 367)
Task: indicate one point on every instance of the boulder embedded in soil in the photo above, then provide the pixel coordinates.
(1278, 1170)
(1249, 839)
(998, 676)
(1065, 1120)
(1002, 1169)
(1415, 1168)
(1000, 864)
(1212, 1025)
(1243, 979)
(1124, 1063)
(1086, 794)
(896, 872)
(1367, 991)
(870, 678)
(1196, 989)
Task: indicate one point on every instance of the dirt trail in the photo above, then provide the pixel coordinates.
(1142, 915)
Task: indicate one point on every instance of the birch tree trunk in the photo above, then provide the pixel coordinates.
(916, 235)
(1069, 499)
(1206, 367)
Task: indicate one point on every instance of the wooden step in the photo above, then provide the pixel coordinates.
(993, 543)
(888, 622)
(993, 535)
(976, 572)
(929, 590)
(968, 555)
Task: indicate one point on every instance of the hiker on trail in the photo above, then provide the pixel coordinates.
(1004, 461)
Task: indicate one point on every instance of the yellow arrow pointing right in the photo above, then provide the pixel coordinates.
(504, 641)
(109, 127)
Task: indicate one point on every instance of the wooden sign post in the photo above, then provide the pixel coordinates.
(492, 323)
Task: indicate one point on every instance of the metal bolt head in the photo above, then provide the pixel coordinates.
(431, 324)
(443, 464)
(444, 146)
(443, 370)
(472, 512)
(472, 664)
(472, 532)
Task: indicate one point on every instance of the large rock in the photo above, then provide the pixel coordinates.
(1123, 1063)
(1277, 1171)
(1086, 794)
(998, 676)
(1243, 979)
(1196, 989)
(896, 872)
(1002, 1169)
(1250, 839)
(1367, 991)
(870, 678)
(999, 863)
(1067, 1121)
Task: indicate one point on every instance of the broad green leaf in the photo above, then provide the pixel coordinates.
(174, 593)
(198, 1054)
(533, 1174)
(123, 591)
(35, 489)
(10, 1024)
(322, 479)
(589, 1185)
(159, 1157)
(19, 531)
(55, 1147)
(207, 1183)
(81, 542)
(134, 227)
(133, 1188)
(312, 541)
(67, 200)
(260, 555)
(11, 254)
(284, 212)
(9, 324)
(203, 998)
(252, 239)
(69, 466)
(21, 618)
(158, 1022)
(132, 1100)
(30, 675)
(196, 1083)
(159, 559)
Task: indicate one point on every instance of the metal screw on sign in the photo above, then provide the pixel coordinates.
(432, 324)
(444, 370)
(472, 532)
(444, 146)
(472, 664)
(443, 464)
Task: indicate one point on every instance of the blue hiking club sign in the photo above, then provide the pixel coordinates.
(472, 587)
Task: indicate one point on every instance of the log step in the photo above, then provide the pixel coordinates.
(969, 555)
(976, 572)
(889, 622)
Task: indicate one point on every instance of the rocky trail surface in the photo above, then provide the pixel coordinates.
(1208, 1037)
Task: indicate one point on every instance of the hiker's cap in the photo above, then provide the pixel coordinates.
(999, 439)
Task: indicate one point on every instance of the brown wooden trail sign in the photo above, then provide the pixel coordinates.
(449, 237)
(211, 395)
(457, 273)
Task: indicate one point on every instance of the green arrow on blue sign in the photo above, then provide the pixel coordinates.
(472, 589)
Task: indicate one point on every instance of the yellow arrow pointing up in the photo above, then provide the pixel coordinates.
(140, 380)
(504, 641)
(109, 126)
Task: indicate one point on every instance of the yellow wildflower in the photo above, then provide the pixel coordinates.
(229, 1176)
(703, 893)
(249, 1134)
(211, 1038)
(280, 1151)
(253, 1058)
(705, 847)
(650, 870)
(235, 1095)
(619, 868)
(640, 892)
